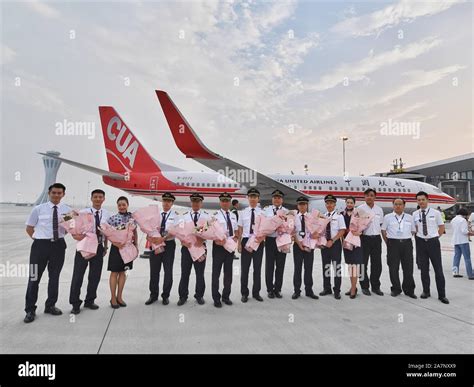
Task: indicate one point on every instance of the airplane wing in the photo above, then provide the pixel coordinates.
(98, 171)
(189, 143)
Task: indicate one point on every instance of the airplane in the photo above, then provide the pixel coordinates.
(133, 170)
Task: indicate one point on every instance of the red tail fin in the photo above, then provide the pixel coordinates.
(124, 151)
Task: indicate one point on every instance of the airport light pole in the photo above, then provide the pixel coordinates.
(344, 139)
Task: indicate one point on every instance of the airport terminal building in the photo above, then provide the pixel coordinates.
(453, 176)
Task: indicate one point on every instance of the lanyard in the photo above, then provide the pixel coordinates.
(399, 221)
(167, 216)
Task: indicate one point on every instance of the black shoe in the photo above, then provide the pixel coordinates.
(244, 299)
(378, 292)
(75, 310)
(30, 317)
(200, 300)
(413, 295)
(366, 292)
(278, 294)
(313, 296)
(471, 278)
(218, 304)
(165, 301)
(425, 295)
(352, 296)
(337, 295)
(394, 294)
(271, 295)
(53, 310)
(444, 300)
(457, 276)
(227, 301)
(325, 292)
(258, 297)
(121, 304)
(114, 306)
(150, 301)
(182, 301)
(92, 306)
(348, 293)
(295, 296)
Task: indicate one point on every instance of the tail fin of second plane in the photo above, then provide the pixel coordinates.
(124, 151)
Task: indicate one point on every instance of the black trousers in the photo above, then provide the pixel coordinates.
(332, 257)
(401, 251)
(44, 253)
(274, 265)
(156, 260)
(371, 248)
(245, 261)
(306, 259)
(426, 251)
(221, 257)
(186, 265)
(95, 270)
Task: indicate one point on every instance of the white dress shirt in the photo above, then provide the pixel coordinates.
(244, 220)
(221, 217)
(337, 223)
(460, 230)
(270, 211)
(398, 226)
(41, 218)
(104, 214)
(374, 226)
(298, 225)
(188, 216)
(172, 217)
(433, 221)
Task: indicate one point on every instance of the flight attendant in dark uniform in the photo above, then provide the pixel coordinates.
(353, 258)
(116, 266)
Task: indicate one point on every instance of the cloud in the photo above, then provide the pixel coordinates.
(43, 9)
(358, 71)
(390, 16)
(7, 54)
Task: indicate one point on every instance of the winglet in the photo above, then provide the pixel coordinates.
(186, 140)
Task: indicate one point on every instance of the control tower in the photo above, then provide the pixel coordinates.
(51, 167)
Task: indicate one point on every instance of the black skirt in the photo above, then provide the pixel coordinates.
(354, 256)
(116, 263)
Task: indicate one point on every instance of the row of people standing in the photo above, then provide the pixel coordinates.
(48, 250)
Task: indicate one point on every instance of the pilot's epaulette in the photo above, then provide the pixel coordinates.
(205, 212)
(215, 213)
(176, 213)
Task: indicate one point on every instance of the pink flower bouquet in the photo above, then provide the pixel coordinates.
(184, 231)
(263, 227)
(122, 235)
(149, 221)
(213, 230)
(316, 225)
(284, 232)
(82, 224)
(360, 220)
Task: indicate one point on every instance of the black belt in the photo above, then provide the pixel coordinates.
(49, 240)
(427, 239)
(371, 236)
(400, 240)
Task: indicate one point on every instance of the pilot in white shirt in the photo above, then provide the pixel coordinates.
(100, 216)
(371, 243)
(461, 235)
(221, 258)
(166, 258)
(274, 259)
(246, 223)
(397, 231)
(48, 250)
(331, 254)
(195, 215)
(429, 227)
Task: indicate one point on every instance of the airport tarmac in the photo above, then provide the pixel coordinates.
(365, 325)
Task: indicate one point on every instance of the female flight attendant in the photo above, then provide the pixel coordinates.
(352, 257)
(116, 265)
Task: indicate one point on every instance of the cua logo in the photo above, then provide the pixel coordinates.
(127, 148)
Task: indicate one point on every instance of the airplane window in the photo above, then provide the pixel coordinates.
(409, 190)
(404, 190)
(213, 185)
(304, 187)
(330, 188)
(320, 188)
(218, 185)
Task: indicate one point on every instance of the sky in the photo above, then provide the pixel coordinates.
(271, 85)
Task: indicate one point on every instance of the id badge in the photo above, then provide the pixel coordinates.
(302, 233)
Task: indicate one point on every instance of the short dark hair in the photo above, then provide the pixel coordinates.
(97, 191)
(463, 212)
(122, 198)
(369, 190)
(351, 197)
(422, 193)
(399, 198)
(57, 185)
(234, 202)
